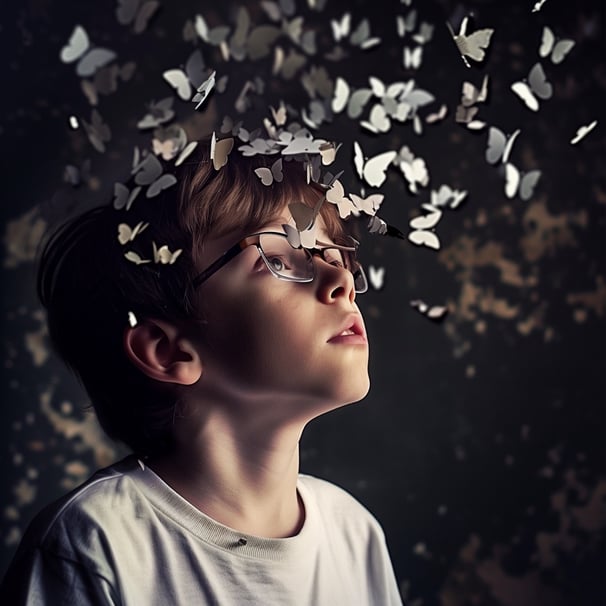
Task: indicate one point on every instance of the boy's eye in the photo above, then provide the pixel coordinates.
(277, 263)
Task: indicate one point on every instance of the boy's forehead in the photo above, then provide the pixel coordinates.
(215, 246)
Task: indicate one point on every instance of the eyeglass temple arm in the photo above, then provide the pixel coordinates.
(227, 256)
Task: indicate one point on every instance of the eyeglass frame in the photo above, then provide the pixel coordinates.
(253, 240)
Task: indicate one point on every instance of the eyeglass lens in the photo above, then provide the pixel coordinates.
(296, 263)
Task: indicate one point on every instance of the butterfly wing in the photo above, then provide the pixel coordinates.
(424, 238)
(538, 82)
(374, 171)
(522, 90)
(473, 45)
(164, 182)
(496, 145)
(528, 183)
(512, 180)
(547, 41)
(177, 78)
(76, 46)
(561, 49)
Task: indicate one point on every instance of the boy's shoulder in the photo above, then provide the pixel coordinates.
(335, 502)
(99, 501)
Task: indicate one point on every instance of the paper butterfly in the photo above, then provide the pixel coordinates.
(536, 86)
(204, 89)
(420, 225)
(499, 145)
(126, 234)
(583, 131)
(123, 197)
(220, 150)
(336, 195)
(518, 183)
(137, 11)
(372, 170)
(369, 205)
(163, 255)
(556, 51)
(135, 258)
(269, 175)
(183, 80)
(214, 36)
(471, 46)
(89, 59)
(97, 131)
(149, 172)
(159, 113)
(412, 58)
(434, 312)
(538, 5)
(376, 277)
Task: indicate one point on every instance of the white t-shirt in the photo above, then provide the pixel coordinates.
(125, 537)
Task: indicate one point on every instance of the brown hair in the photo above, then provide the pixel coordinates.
(88, 287)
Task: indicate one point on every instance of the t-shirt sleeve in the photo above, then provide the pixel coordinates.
(381, 574)
(40, 578)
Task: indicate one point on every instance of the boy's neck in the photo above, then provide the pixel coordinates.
(246, 482)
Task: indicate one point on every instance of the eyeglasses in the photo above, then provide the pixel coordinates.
(292, 264)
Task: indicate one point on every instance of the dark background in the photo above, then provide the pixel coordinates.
(481, 445)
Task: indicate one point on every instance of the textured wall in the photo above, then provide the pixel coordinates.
(481, 445)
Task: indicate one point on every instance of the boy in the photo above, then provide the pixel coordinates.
(208, 358)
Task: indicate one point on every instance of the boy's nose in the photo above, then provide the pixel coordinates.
(334, 282)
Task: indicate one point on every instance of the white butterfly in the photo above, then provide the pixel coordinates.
(135, 258)
(214, 36)
(220, 150)
(137, 11)
(183, 80)
(185, 153)
(412, 58)
(406, 24)
(437, 116)
(305, 238)
(421, 236)
(583, 131)
(518, 183)
(471, 46)
(340, 95)
(132, 319)
(204, 89)
(538, 5)
(536, 86)
(269, 175)
(446, 196)
(434, 312)
(556, 51)
(369, 205)
(128, 234)
(499, 145)
(372, 170)
(163, 255)
(336, 195)
(378, 120)
(376, 277)
(413, 168)
(89, 59)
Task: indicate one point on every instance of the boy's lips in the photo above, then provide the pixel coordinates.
(352, 331)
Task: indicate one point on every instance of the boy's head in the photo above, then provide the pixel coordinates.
(100, 274)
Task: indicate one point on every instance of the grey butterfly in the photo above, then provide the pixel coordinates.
(89, 59)
(535, 88)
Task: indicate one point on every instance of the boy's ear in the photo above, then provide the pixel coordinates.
(160, 350)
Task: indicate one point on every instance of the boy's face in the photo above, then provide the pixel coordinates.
(268, 340)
